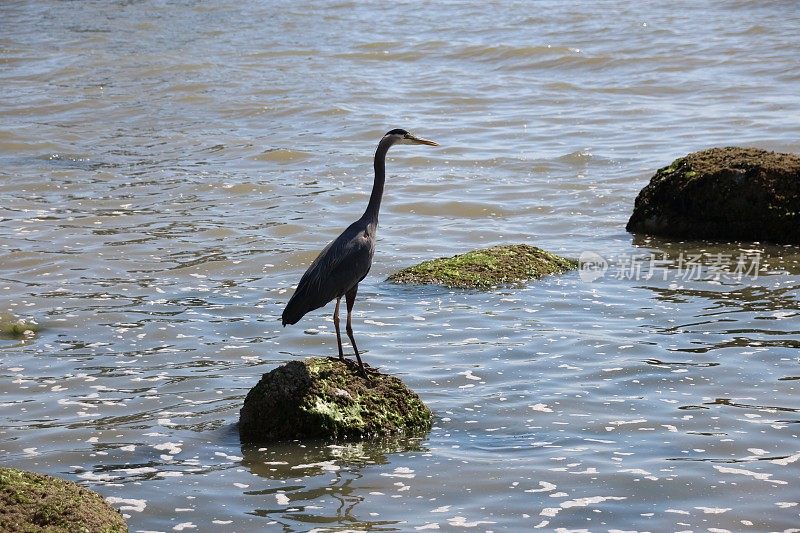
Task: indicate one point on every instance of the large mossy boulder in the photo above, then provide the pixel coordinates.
(32, 502)
(325, 398)
(723, 194)
(486, 268)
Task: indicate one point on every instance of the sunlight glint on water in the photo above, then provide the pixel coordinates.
(168, 171)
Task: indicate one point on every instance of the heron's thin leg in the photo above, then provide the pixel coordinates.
(350, 298)
(336, 325)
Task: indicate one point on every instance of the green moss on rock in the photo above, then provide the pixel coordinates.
(325, 398)
(485, 268)
(31, 502)
(723, 194)
(11, 327)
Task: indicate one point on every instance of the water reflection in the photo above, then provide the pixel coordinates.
(319, 483)
(761, 258)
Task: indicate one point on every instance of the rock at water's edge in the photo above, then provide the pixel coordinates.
(33, 502)
(486, 268)
(325, 398)
(723, 194)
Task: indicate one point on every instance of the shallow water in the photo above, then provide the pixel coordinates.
(167, 171)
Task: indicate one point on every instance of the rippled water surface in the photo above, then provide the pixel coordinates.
(167, 171)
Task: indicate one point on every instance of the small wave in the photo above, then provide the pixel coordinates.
(578, 157)
(504, 52)
(66, 160)
(281, 155)
(458, 209)
(382, 55)
(336, 111)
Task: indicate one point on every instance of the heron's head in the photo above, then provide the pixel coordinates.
(400, 136)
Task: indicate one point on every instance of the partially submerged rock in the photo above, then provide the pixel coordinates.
(14, 328)
(34, 502)
(322, 397)
(723, 194)
(485, 268)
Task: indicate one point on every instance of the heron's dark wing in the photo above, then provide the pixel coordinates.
(338, 267)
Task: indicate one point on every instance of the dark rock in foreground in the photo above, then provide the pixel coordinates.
(34, 502)
(322, 398)
(723, 194)
(486, 268)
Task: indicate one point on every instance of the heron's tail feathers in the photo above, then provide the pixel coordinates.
(294, 312)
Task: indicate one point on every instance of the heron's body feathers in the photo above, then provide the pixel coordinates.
(339, 267)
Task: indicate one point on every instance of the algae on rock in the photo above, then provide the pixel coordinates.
(15, 328)
(33, 502)
(724, 194)
(324, 397)
(486, 268)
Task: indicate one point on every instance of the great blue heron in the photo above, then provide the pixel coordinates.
(340, 266)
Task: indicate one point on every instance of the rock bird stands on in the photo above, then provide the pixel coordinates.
(341, 265)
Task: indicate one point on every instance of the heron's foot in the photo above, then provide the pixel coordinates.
(338, 359)
(367, 371)
(364, 370)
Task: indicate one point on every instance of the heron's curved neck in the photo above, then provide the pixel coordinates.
(374, 205)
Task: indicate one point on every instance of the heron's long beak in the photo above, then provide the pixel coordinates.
(419, 140)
